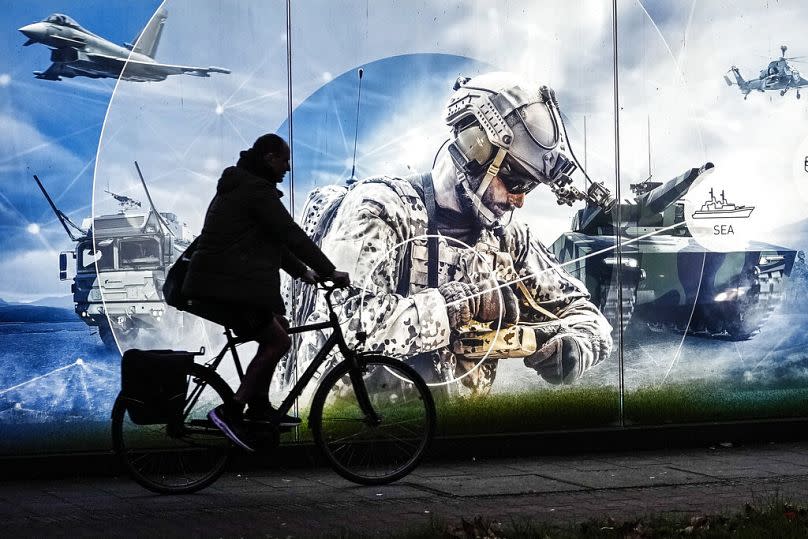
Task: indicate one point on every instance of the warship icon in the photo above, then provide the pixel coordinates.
(721, 209)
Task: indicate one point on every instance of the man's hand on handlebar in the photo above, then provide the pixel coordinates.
(310, 277)
(341, 279)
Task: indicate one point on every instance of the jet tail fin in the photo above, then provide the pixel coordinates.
(148, 40)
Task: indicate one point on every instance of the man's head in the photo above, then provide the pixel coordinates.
(507, 190)
(507, 138)
(275, 154)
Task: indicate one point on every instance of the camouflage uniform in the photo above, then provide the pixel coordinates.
(369, 238)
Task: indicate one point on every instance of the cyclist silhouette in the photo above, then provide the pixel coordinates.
(233, 277)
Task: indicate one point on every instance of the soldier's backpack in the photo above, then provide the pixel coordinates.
(321, 207)
(319, 212)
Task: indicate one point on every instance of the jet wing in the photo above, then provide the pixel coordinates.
(54, 72)
(155, 69)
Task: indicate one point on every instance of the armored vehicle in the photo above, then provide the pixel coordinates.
(666, 279)
(121, 260)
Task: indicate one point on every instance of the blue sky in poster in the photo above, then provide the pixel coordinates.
(51, 128)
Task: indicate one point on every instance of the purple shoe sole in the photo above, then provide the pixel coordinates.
(222, 425)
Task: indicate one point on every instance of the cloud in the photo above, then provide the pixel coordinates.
(31, 275)
(23, 145)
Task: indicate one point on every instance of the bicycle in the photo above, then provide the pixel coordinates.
(372, 416)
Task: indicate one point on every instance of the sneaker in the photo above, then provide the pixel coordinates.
(232, 427)
(266, 414)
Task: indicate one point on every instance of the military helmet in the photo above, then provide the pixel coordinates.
(497, 113)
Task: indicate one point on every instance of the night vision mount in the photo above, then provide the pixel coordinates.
(597, 193)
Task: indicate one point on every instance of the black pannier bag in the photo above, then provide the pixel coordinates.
(172, 287)
(154, 383)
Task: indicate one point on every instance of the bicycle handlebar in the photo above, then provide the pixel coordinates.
(324, 285)
(329, 287)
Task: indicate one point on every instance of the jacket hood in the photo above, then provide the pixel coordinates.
(232, 177)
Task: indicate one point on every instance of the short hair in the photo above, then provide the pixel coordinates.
(269, 143)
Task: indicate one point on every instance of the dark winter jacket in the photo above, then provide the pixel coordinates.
(247, 237)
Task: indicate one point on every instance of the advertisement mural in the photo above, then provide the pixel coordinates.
(588, 216)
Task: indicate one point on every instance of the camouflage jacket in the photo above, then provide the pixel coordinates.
(378, 234)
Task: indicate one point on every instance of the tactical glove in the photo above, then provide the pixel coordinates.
(485, 301)
(497, 301)
(558, 361)
(462, 302)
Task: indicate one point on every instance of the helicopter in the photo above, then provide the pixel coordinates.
(779, 75)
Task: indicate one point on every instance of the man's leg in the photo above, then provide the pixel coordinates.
(273, 344)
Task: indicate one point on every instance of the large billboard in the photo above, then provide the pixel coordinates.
(635, 256)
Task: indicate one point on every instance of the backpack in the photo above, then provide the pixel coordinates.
(172, 287)
(319, 211)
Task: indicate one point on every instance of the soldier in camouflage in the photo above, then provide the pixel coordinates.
(487, 271)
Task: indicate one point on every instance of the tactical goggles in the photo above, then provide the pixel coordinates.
(516, 180)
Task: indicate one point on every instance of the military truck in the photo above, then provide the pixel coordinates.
(121, 260)
(662, 278)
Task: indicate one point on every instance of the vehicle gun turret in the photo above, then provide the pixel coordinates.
(661, 276)
(656, 204)
(125, 201)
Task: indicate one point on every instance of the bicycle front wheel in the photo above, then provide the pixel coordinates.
(182, 457)
(366, 449)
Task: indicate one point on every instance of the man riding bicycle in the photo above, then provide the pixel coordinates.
(233, 277)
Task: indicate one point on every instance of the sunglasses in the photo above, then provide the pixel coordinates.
(516, 181)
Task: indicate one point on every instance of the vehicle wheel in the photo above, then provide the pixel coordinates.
(105, 332)
(359, 449)
(127, 336)
(176, 458)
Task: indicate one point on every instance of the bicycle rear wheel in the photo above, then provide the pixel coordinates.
(357, 447)
(176, 458)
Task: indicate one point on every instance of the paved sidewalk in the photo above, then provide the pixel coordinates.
(305, 502)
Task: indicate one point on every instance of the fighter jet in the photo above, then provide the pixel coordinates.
(77, 52)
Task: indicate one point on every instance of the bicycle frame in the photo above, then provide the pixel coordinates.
(335, 339)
